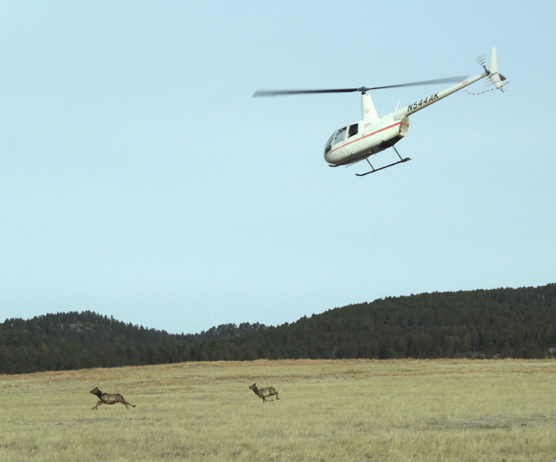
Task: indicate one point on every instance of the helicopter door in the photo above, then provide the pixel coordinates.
(353, 130)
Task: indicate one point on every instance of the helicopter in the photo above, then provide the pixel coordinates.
(372, 134)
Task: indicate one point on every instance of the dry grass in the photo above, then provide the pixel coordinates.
(328, 410)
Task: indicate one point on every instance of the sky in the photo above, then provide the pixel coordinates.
(139, 178)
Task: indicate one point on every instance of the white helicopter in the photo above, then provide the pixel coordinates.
(360, 140)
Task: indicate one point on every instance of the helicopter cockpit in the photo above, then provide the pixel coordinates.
(340, 135)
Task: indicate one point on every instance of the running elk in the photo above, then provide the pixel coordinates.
(264, 392)
(109, 398)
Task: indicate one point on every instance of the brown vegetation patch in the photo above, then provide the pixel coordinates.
(494, 422)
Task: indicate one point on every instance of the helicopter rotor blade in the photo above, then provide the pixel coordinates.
(261, 93)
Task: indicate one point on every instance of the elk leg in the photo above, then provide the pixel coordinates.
(126, 404)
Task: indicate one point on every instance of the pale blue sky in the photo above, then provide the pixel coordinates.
(139, 179)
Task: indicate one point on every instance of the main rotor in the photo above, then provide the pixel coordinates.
(363, 90)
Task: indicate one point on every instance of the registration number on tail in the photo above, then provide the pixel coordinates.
(423, 102)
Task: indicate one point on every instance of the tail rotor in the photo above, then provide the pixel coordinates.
(481, 60)
(494, 77)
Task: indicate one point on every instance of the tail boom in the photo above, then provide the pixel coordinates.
(494, 76)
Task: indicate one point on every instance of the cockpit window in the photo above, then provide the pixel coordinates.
(353, 129)
(328, 146)
(340, 135)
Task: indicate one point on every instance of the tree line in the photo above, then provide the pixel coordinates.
(498, 323)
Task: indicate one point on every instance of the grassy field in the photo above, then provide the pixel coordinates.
(460, 410)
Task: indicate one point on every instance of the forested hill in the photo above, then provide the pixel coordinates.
(519, 323)
(92, 328)
(66, 341)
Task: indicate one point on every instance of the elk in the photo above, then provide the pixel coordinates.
(109, 398)
(264, 392)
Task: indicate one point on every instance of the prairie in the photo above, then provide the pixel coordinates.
(400, 410)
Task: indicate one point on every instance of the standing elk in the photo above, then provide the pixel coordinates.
(109, 398)
(264, 392)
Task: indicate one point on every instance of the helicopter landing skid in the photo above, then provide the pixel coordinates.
(401, 161)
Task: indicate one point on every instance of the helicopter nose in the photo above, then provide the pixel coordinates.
(333, 158)
(328, 159)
